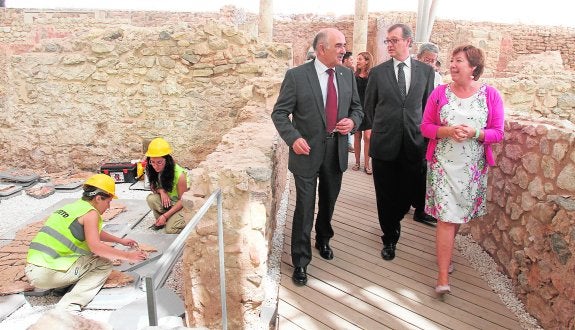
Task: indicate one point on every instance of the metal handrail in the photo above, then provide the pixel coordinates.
(175, 250)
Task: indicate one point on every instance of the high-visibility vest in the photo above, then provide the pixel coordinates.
(178, 170)
(61, 241)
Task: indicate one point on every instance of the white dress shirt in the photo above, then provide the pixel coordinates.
(406, 70)
(322, 75)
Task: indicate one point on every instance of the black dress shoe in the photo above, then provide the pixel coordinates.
(324, 250)
(423, 217)
(388, 251)
(299, 276)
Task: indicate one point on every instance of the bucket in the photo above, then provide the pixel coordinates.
(139, 169)
(146, 182)
(144, 164)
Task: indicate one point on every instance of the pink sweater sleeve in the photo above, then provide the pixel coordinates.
(495, 118)
(493, 132)
(430, 122)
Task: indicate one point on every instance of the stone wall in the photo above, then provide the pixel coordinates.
(18, 27)
(34, 38)
(80, 98)
(99, 90)
(24, 27)
(539, 85)
(242, 167)
(530, 226)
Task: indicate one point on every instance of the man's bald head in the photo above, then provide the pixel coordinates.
(329, 45)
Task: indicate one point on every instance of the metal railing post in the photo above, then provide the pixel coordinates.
(166, 262)
(221, 256)
(174, 251)
(151, 302)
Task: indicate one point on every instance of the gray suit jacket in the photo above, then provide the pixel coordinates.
(396, 122)
(300, 96)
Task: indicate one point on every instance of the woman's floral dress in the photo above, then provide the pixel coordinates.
(457, 173)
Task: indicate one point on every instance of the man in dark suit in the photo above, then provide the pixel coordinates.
(317, 136)
(396, 93)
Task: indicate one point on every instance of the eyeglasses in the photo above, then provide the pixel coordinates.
(158, 162)
(392, 41)
(428, 60)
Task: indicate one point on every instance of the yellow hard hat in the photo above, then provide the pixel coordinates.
(103, 182)
(158, 147)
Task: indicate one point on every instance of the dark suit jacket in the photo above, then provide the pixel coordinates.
(396, 122)
(300, 96)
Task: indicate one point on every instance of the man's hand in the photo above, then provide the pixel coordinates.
(300, 147)
(344, 126)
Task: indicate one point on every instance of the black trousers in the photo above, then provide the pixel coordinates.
(418, 202)
(330, 177)
(397, 185)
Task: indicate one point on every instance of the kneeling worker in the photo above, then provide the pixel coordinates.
(70, 250)
(168, 181)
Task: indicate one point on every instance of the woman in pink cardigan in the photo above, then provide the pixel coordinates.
(461, 120)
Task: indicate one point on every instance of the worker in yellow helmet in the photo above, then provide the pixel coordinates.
(168, 182)
(70, 250)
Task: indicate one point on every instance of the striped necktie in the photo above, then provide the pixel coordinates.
(401, 80)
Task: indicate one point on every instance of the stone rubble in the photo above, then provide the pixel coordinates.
(40, 191)
(115, 209)
(118, 279)
(498, 282)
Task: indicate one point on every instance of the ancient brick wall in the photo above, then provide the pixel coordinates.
(530, 226)
(251, 171)
(79, 89)
(27, 26)
(538, 85)
(515, 40)
(18, 27)
(23, 31)
(77, 97)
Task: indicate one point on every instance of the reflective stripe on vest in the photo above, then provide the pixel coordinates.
(51, 252)
(62, 239)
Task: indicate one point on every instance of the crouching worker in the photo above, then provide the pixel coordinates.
(168, 182)
(70, 250)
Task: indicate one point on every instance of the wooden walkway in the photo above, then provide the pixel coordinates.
(360, 290)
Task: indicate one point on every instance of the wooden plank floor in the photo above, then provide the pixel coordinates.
(360, 290)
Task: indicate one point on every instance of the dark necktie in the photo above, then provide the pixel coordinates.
(330, 103)
(401, 80)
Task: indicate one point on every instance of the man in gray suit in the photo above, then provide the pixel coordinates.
(317, 136)
(396, 93)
